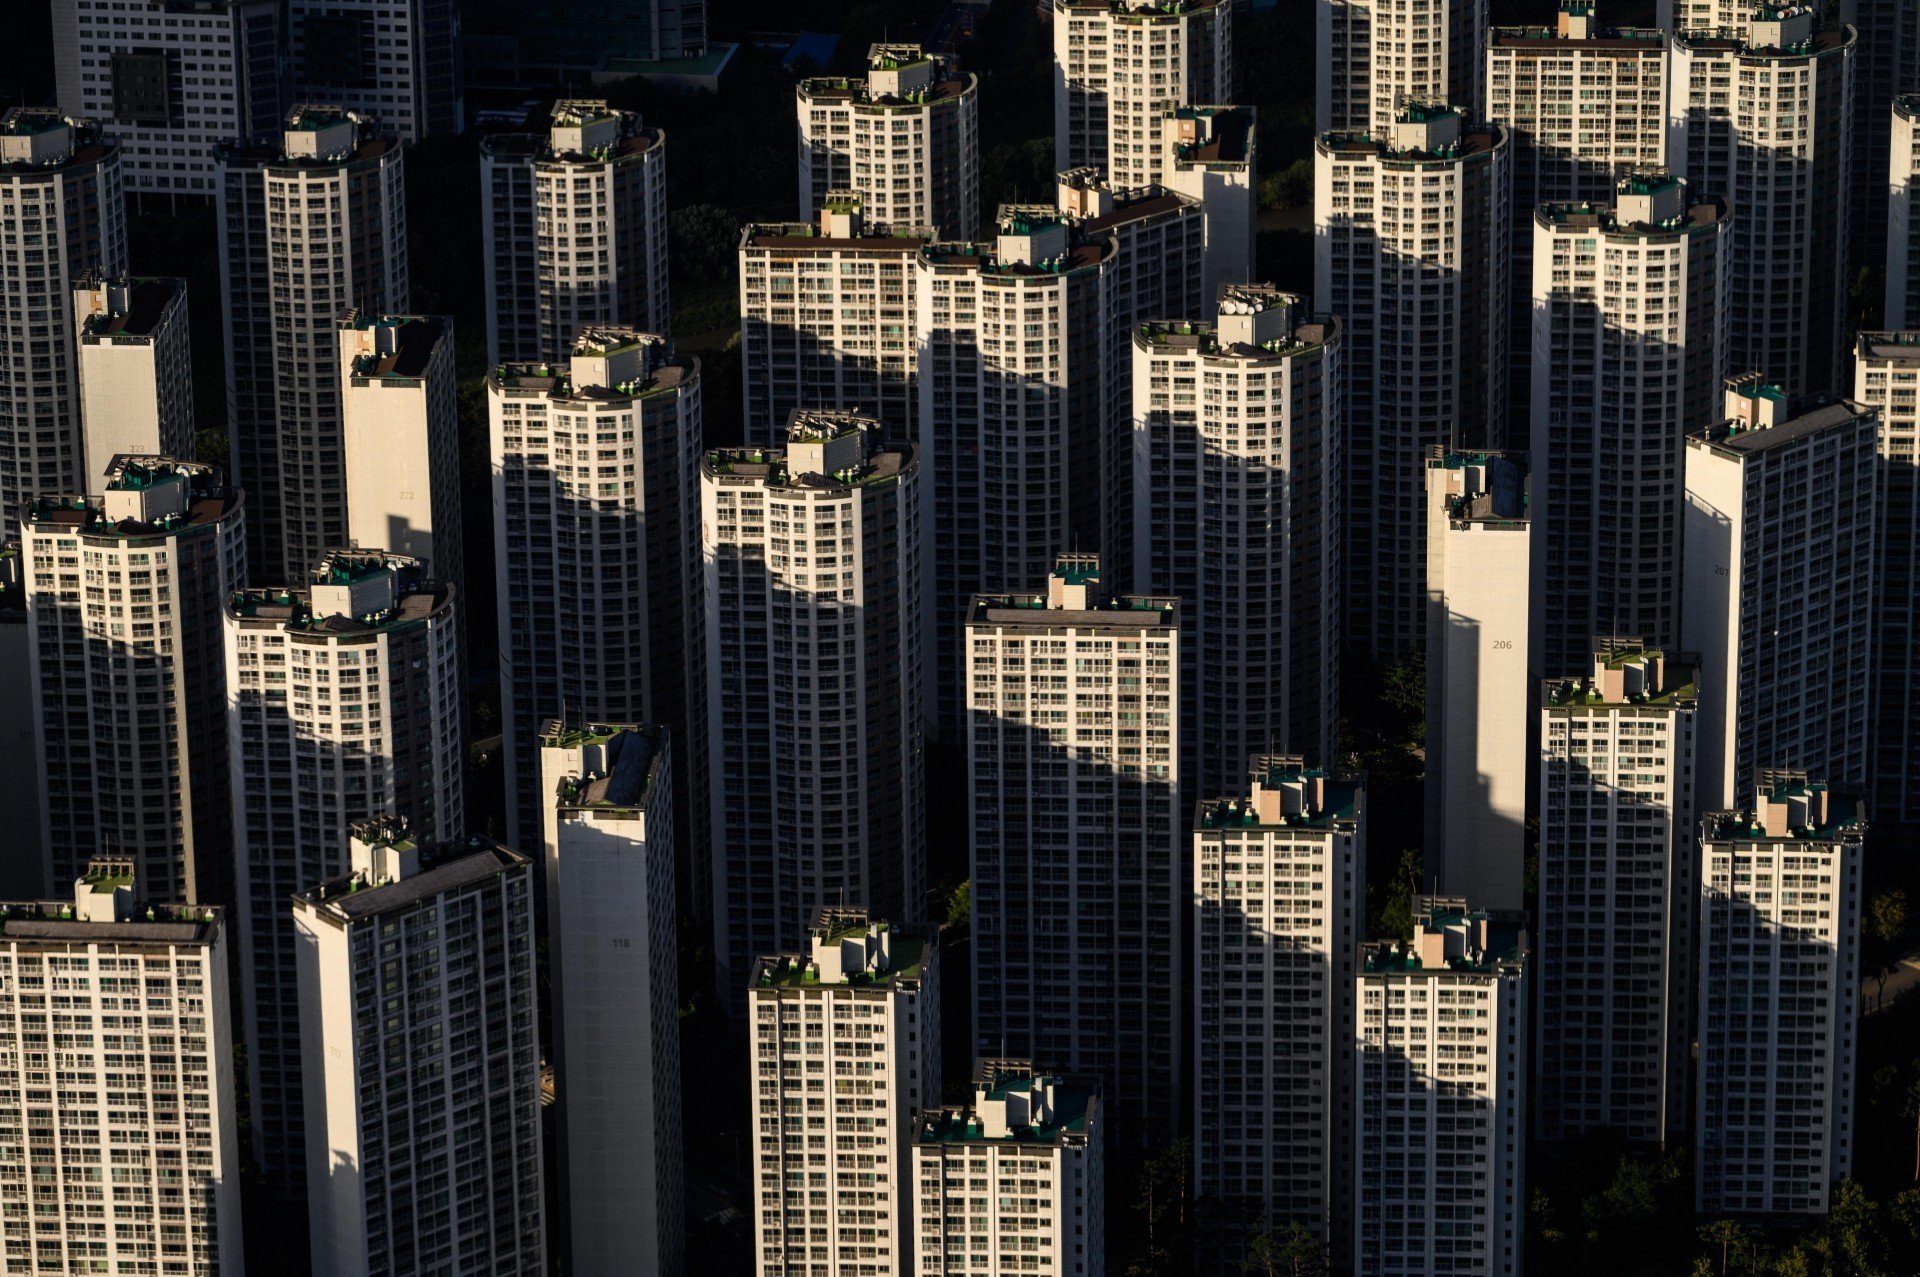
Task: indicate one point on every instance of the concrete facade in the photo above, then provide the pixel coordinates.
(134, 368)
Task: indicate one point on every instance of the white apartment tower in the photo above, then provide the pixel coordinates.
(1765, 121)
(1779, 999)
(59, 190)
(421, 1052)
(1887, 68)
(1628, 342)
(123, 596)
(1015, 402)
(1440, 1097)
(904, 137)
(1279, 903)
(311, 225)
(133, 362)
(1614, 953)
(1207, 154)
(596, 561)
(1119, 66)
(344, 706)
(615, 994)
(135, 1169)
(576, 231)
(400, 438)
(1159, 261)
(1377, 57)
(171, 81)
(1410, 251)
(1886, 371)
(1479, 547)
(1236, 501)
(1902, 223)
(1073, 709)
(815, 653)
(1777, 582)
(1011, 1182)
(828, 314)
(397, 60)
(1583, 103)
(846, 1051)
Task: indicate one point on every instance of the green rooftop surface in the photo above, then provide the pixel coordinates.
(1846, 813)
(1341, 802)
(1401, 957)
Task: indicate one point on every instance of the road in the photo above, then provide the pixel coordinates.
(1904, 977)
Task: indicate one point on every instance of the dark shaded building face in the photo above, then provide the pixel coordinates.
(337, 50)
(140, 89)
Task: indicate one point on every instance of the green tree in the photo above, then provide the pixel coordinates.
(1728, 1236)
(1292, 187)
(1886, 928)
(960, 905)
(1289, 1252)
(1395, 917)
(704, 242)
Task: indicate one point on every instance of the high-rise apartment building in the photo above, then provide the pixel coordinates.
(344, 706)
(136, 1168)
(172, 79)
(1279, 903)
(1410, 251)
(815, 654)
(1440, 1097)
(575, 231)
(133, 364)
(1120, 65)
(395, 60)
(1377, 57)
(1236, 500)
(1479, 550)
(1887, 69)
(123, 597)
(1777, 585)
(60, 191)
(828, 314)
(1207, 154)
(1886, 372)
(312, 224)
(1765, 121)
(24, 872)
(1073, 710)
(1614, 952)
(1582, 104)
(596, 562)
(1900, 226)
(1628, 342)
(845, 1036)
(420, 1048)
(615, 994)
(1012, 1182)
(904, 137)
(400, 437)
(1779, 999)
(1015, 398)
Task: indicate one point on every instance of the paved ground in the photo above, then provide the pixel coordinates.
(1904, 977)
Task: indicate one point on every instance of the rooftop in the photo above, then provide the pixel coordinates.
(442, 870)
(403, 344)
(905, 950)
(1476, 140)
(134, 308)
(1704, 215)
(1126, 611)
(1790, 807)
(1628, 675)
(1450, 937)
(1735, 43)
(883, 462)
(1335, 799)
(1204, 339)
(625, 763)
(1627, 39)
(806, 235)
(1889, 346)
(1814, 413)
(207, 501)
(412, 600)
(156, 924)
(1065, 1111)
(1227, 137)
